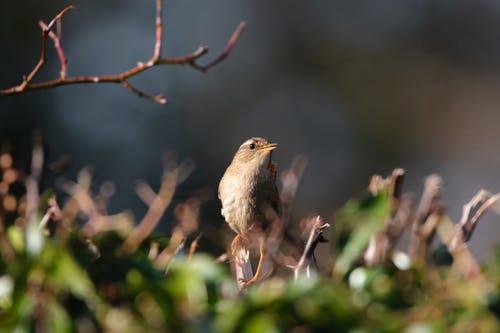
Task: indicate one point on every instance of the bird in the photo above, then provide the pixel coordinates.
(247, 192)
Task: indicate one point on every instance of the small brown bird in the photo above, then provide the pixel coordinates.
(247, 191)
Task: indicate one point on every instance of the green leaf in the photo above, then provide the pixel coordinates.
(58, 320)
(366, 218)
(261, 323)
(64, 273)
(16, 238)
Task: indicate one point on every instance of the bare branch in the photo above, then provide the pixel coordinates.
(472, 212)
(41, 61)
(227, 50)
(175, 246)
(315, 237)
(60, 52)
(153, 250)
(402, 219)
(396, 183)
(158, 31)
(59, 16)
(53, 212)
(194, 245)
(160, 99)
(383, 242)
(145, 192)
(422, 237)
(122, 77)
(393, 184)
(154, 213)
(97, 220)
(464, 261)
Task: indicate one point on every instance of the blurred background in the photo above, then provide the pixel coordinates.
(359, 88)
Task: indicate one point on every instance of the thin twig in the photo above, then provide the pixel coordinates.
(58, 46)
(153, 250)
(455, 237)
(53, 213)
(145, 192)
(464, 261)
(383, 242)
(122, 77)
(468, 225)
(158, 31)
(421, 240)
(175, 246)
(401, 220)
(160, 99)
(315, 237)
(59, 16)
(43, 52)
(194, 245)
(154, 213)
(82, 201)
(472, 212)
(397, 179)
(225, 53)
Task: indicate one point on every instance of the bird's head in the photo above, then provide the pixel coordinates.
(255, 151)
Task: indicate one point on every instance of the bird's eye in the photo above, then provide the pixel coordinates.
(251, 146)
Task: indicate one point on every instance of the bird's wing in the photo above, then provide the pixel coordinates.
(226, 193)
(273, 169)
(276, 202)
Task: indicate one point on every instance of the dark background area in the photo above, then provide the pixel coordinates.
(359, 88)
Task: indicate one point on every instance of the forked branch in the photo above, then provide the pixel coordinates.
(471, 214)
(122, 77)
(315, 237)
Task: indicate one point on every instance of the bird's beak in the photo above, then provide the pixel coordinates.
(268, 147)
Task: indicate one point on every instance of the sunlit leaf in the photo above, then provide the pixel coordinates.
(57, 319)
(365, 218)
(16, 238)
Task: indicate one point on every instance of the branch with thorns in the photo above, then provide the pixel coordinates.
(121, 78)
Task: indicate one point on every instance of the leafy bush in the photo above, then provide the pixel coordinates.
(65, 276)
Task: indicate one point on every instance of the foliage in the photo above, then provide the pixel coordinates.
(69, 280)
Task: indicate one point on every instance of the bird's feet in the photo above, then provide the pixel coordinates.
(247, 283)
(236, 245)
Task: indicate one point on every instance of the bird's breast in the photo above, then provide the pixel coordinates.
(238, 214)
(243, 193)
(239, 200)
